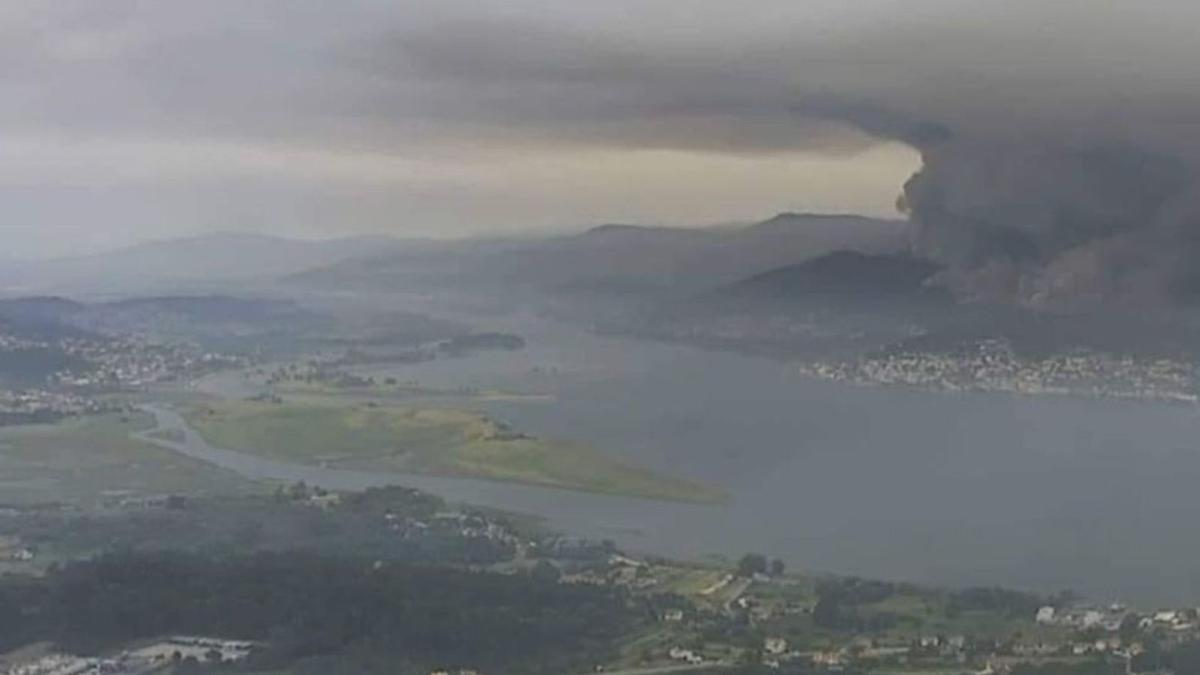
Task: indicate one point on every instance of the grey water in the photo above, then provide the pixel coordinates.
(1043, 493)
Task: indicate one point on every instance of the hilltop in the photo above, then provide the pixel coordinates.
(209, 260)
(633, 262)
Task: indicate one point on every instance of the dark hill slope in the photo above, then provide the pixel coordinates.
(847, 276)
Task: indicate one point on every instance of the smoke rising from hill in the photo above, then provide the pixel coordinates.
(1059, 142)
(1047, 225)
(1060, 139)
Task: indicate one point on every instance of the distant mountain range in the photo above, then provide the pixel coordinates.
(847, 302)
(605, 260)
(618, 259)
(795, 284)
(212, 319)
(209, 260)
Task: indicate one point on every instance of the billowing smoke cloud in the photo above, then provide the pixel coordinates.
(1055, 225)
(1060, 139)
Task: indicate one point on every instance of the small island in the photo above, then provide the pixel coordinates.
(435, 441)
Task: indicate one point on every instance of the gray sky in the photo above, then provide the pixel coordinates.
(124, 120)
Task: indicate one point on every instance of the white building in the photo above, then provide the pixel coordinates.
(685, 655)
(1046, 615)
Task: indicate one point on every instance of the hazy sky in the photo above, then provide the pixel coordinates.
(122, 120)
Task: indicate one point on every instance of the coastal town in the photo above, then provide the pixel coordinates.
(73, 375)
(130, 363)
(993, 365)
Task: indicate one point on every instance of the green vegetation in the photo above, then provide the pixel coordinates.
(757, 563)
(382, 390)
(392, 580)
(93, 459)
(169, 435)
(32, 365)
(322, 615)
(434, 441)
(390, 524)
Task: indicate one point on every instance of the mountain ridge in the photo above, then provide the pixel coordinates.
(214, 259)
(623, 258)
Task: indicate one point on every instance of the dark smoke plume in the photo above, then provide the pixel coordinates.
(1055, 226)
(1059, 139)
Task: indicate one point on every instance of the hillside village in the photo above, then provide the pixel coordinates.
(786, 624)
(47, 379)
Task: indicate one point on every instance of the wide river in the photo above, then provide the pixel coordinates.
(1042, 493)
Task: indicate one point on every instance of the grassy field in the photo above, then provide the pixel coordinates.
(401, 391)
(169, 435)
(433, 441)
(86, 460)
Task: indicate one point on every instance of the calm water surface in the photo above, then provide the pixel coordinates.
(1044, 493)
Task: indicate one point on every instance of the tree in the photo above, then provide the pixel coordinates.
(828, 612)
(777, 567)
(751, 564)
(1129, 629)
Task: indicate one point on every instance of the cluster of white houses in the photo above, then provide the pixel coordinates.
(150, 658)
(1111, 619)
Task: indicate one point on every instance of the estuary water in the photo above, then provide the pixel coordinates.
(979, 489)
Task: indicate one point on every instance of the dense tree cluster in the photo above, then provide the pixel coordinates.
(998, 600)
(756, 563)
(315, 612)
(286, 521)
(33, 365)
